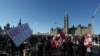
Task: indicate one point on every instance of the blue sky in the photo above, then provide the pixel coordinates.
(41, 14)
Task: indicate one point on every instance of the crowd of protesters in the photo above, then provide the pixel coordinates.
(40, 45)
(71, 46)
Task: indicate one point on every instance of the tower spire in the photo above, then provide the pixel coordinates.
(66, 23)
(66, 16)
(65, 13)
(19, 22)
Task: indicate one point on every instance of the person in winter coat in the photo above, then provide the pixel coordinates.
(69, 45)
(81, 49)
(47, 48)
(63, 48)
(88, 44)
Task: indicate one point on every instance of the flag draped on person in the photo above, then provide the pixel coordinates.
(58, 40)
(86, 41)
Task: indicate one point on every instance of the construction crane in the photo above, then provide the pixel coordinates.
(96, 11)
(93, 16)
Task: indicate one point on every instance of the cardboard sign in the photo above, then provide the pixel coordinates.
(20, 34)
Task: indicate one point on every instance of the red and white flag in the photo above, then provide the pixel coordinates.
(86, 41)
(58, 40)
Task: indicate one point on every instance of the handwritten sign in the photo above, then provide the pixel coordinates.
(19, 34)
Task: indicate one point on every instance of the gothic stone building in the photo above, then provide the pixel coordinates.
(7, 27)
(80, 30)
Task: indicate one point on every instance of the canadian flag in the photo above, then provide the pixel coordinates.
(58, 40)
(86, 41)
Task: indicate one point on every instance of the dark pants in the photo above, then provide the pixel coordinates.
(47, 53)
(40, 53)
(62, 53)
(89, 53)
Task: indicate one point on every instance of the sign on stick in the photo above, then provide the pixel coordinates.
(20, 34)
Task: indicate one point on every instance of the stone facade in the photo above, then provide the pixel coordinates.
(7, 27)
(80, 30)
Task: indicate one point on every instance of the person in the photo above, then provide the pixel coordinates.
(47, 48)
(88, 44)
(69, 45)
(40, 48)
(81, 48)
(89, 48)
(63, 48)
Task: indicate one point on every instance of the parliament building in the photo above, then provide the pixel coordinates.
(79, 30)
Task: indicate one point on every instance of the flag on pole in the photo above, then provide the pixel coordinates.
(58, 40)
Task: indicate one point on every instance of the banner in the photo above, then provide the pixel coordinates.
(19, 34)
